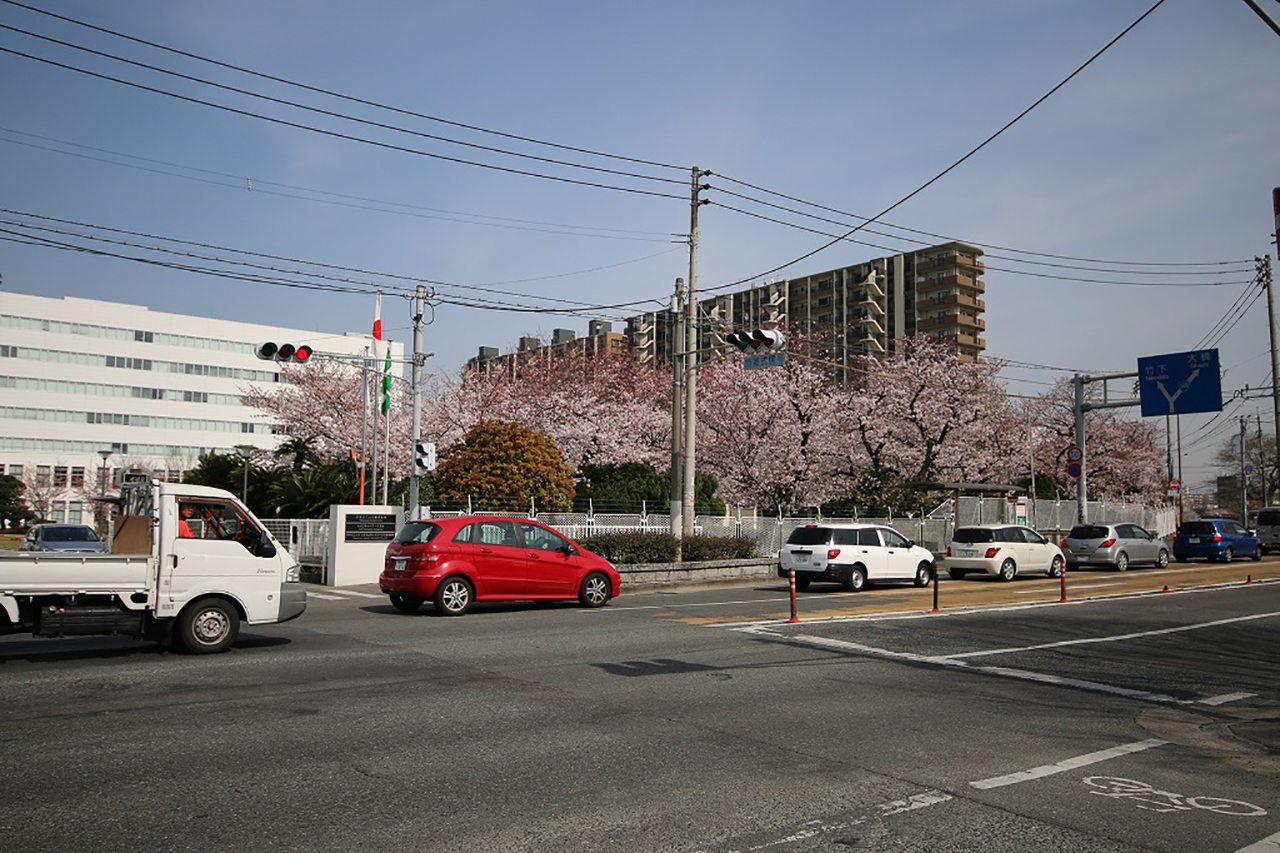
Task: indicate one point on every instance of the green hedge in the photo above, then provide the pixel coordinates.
(661, 547)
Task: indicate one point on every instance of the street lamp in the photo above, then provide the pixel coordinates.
(245, 451)
(102, 485)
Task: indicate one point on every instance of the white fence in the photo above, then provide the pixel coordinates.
(307, 539)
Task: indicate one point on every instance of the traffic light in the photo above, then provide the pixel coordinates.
(424, 456)
(757, 340)
(296, 353)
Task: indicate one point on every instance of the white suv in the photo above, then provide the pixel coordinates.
(1002, 550)
(853, 555)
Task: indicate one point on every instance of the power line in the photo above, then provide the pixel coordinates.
(336, 134)
(845, 237)
(950, 168)
(334, 114)
(257, 184)
(986, 254)
(341, 96)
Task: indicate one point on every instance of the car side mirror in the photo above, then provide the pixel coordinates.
(910, 544)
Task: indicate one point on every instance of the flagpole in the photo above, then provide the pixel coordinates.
(386, 443)
(364, 420)
(377, 339)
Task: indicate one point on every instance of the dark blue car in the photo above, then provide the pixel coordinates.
(1215, 539)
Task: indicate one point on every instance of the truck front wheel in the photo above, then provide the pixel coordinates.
(207, 626)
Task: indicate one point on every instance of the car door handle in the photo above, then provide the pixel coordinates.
(533, 555)
(486, 550)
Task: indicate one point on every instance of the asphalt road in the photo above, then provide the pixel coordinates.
(684, 720)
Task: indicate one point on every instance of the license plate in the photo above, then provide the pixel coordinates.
(1194, 540)
(962, 553)
(802, 558)
(400, 563)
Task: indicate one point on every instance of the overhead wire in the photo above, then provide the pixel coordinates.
(337, 134)
(950, 168)
(339, 95)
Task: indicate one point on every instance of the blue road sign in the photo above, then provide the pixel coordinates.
(1180, 383)
(756, 362)
(1074, 470)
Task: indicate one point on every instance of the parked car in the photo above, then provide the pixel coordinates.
(853, 555)
(1215, 539)
(1268, 529)
(1116, 545)
(1003, 550)
(457, 561)
(63, 537)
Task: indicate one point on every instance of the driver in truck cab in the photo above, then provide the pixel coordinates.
(186, 512)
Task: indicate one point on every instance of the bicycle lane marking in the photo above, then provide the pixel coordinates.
(1067, 764)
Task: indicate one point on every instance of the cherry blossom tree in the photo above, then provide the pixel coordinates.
(769, 435)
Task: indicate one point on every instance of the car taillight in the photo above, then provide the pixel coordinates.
(1063, 544)
(991, 552)
(948, 550)
(1107, 543)
(832, 553)
(1217, 538)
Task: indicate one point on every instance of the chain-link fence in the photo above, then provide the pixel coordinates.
(307, 539)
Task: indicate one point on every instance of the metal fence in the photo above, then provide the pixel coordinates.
(307, 539)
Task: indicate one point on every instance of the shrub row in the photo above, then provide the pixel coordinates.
(661, 547)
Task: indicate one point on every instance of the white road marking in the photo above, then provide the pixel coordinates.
(1067, 764)
(353, 592)
(1005, 672)
(1115, 638)
(815, 828)
(324, 597)
(1225, 698)
(1270, 844)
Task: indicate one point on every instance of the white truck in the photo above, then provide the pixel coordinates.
(187, 566)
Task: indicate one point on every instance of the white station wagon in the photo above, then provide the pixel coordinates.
(853, 555)
(1003, 550)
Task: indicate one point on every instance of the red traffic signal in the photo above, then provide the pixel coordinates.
(757, 340)
(270, 351)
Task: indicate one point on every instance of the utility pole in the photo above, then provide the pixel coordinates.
(676, 339)
(415, 377)
(1262, 463)
(1244, 505)
(691, 355)
(1082, 483)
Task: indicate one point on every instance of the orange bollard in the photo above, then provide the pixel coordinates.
(1250, 580)
(1063, 576)
(1166, 588)
(792, 576)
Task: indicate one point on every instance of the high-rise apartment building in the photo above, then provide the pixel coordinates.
(600, 342)
(859, 310)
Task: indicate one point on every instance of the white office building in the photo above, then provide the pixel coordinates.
(91, 389)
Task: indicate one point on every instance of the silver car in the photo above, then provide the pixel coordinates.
(63, 537)
(1116, 545)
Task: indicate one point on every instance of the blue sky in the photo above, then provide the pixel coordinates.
(1163, 151)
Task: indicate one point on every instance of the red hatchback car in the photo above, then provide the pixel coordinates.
(455, 561)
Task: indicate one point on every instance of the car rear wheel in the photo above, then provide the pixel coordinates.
(924, 574)
(1055, 568)
(856, 579)
(1122, 562)
(955, 574)
(453, 596)
(802, 584)
(1008, 570)
(1162, 559)
(1228, 555)
(594, 591)
(405, 603)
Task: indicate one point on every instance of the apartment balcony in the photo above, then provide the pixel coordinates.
(952, 300)
(964, 263)
(948, 282)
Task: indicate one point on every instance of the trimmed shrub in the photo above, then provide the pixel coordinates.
(661, 547)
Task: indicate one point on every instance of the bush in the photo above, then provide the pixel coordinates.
(661, 547)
